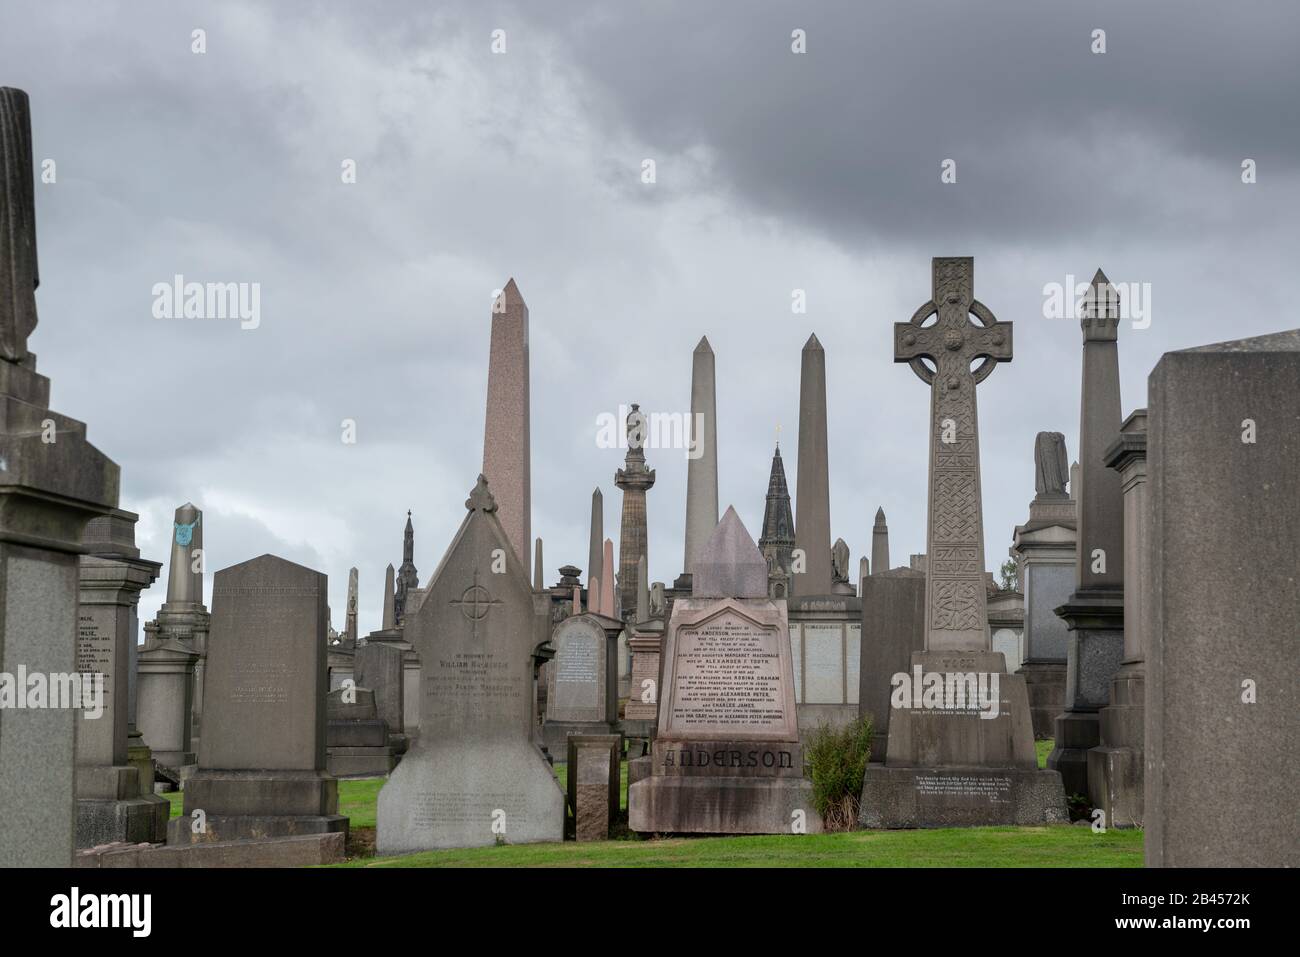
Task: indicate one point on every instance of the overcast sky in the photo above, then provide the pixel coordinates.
(775, 171)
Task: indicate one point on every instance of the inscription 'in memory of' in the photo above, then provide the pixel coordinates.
(728, 675)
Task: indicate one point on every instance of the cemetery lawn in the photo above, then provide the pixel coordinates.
(1060, 845)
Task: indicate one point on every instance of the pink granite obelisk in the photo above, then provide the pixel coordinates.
(607, 582)
(506, 436)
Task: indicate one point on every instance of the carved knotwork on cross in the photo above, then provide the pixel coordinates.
(957, 615)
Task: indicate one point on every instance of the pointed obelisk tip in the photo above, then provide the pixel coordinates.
(1100, 281)
(880, 516)
(510, 299)
(812, 343)
(704, 345)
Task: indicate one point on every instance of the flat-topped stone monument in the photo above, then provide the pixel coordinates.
(261, 761)
(961, 748)
(1222, 715)
(726, 759)
(474, 776)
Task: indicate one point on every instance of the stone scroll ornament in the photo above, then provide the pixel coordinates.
(18, 274)
(957, 616)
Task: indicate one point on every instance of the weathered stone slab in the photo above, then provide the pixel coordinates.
(593, 778)
(893, 628)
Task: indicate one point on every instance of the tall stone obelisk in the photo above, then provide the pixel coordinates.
(1095, 612)
(507, 452)
(595, 544)
(702, 461)
(389, 621)
(812, 509)
(350, 619)
(965, 758)
(635, 478)
(880, 544)
(49, 490)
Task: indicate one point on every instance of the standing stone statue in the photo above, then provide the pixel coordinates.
(1051, 464)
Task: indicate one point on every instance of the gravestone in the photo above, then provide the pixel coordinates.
(113, 803)
(379, 668)
(950, 760)
(593, 779)
(577, 680)
(49, 490)
(356, 738)
(893, 629)
(726, 758)
(1222, 715)
(474, 776)
(266, 673)
(1045, 552)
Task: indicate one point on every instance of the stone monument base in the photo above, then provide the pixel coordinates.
(1115, 767)
(358, 747)
(1045, 684)
(469, 793)
(137, 820)
(960, 797)
(250, 805)
(1077, 733)
(721, 805)
(950, 766)
(555, 735)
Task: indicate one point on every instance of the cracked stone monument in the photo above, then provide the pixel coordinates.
(1222, 710)
(1094, 613)
(1045, 552)
(113, 803)
(475, 775)
(727, 758)
(951, 760)
(266, 671)
(49, 490)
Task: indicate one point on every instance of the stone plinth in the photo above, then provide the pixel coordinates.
(593, 778)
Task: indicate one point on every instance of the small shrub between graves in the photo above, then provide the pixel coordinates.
(836, 759)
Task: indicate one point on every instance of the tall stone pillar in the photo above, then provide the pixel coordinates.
(408, 578)
(1044, 548)
(702, 461)
(1095, 612)
(53, 482)
(113, 804)
(176, 643)
(812, 515)
(595, 546)
(1222, 706)
(880, 544)
(777, 539)
(1115, 766)
(389, 621)
(635, 479)
(507, 452)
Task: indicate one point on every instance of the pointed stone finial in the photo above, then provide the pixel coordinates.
(480, 499)
(813, 344)
(730, 566)
(880, 544)
(703, 346)
(1099, 312)
(390, 599)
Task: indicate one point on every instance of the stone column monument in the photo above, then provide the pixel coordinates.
(53, 483)
(1045, 552)
(634, 479)
(879, 544)
(1094, 614)
(595, 545)
(960, 749)
(1115, 765)
(112, 801)
(812, 507)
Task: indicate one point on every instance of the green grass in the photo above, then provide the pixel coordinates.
(1044, 748)
(1052, 846)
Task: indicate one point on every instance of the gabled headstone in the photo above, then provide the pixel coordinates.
(726, 759)
(474, 776)
(262, 757)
